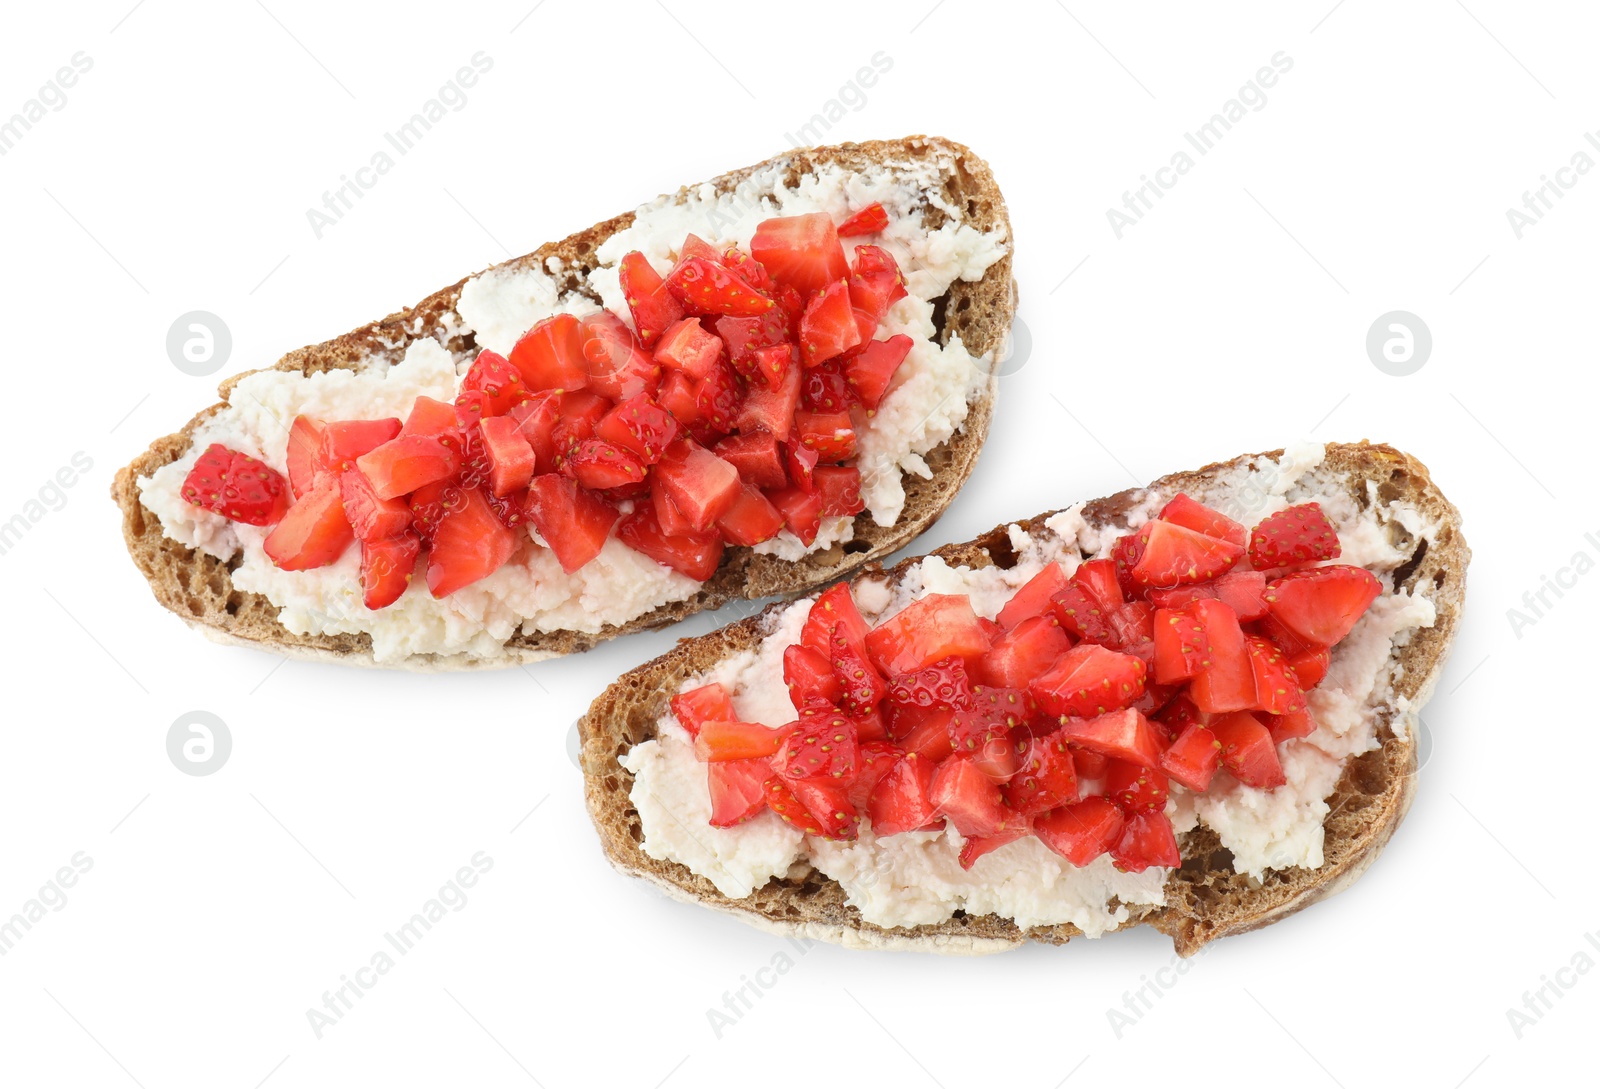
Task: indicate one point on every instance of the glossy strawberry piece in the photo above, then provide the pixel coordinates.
(387, 567)
(572, 521)
(236, 486)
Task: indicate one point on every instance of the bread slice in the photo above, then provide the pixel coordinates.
(197, 586)
(1205, 898)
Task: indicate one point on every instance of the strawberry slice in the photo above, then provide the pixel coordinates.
(304, 450)
(1146, 841)
(1183, 511)
(833, 609)
(730, 739)
(707, 287)
(236, 486)
(1081, 614)
(824, 388)
(870, 220)
(809, 676)
(875, 285)
(800, 251)
(801, 510)
(1277, 689)
(932, 627)
(744, 337)
(1124, 735)
(598, 464)
(1226, 681)
(818, 807)
(738, 790)
(550, 355)
(1192, 757)
(1177, 556)
(687, 347)
(371, 518)
(942, 684)
(695, 555)
(969, 799)
(864, 687)
(819, 747)
(751, 520)
(1089, 680)
(314, 533)
(1033, 599)
(492, 387)
(1081, 832)
(469, 544)
(429, 417)
(828, 326)
(748, 269)
(839, 490)
(1247, 750)
(696, 706)
(1295, 535)
(615, 364)
(653, 307)
(703, 486)
(346, 440)
(386, 568)
(1310, 666)
(831, 434)
(1136, 788)
(408, 462)
(771, 409)
(639, 425)
(757, 457)
(1180, 645)
(1322, 605)
(1287, 727)
(572, 521)
(1046, 777)
(1023, 653)
(511, 459)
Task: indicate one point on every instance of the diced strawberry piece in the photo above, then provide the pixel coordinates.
(1295, 535)
(1277, 689)
(429, 504)
(748, 269)
(1247, 750)
(801, 251)
(386, 568)
(1123, 735)
(697, 706)
(756, 456)
(1245, 592)
(708, 287)
(839, 490)
(1192, 757)
(653, 307)
(828, 327)
(932, 627)
(695, 246)
(1081, 614)
(668, 516)
(1033, 599)
(1081, 832)
(1136, 788)
(343, 442)
(989, 715)
(687, 347)
(801, 464)
(1024, 652)
(677, 396)
(1310, 667)
(499, 384)
(738, 790)
(818, 807)
(615, 363)
(870, 220)
(864, 687)
(1176, 556)
(596, 463)
(639, 425)
(538, 417)
(1226, 681)
(773, 363)
(969, 799)
(1181, 646)
(511, 459)
(977, 846)
(703, 486)
(875, 285)
(801, 510)
(236, 486)
(809, 676)
(429, 417)
(1125, 555)
(303, 453)
(924, 731)
(314, 533)
(1322, 605)
(1132, 623)
(408, 462)
(771, 409)
(743, 337)
(1185, 512)
(723, 739)
(573, 522)
(751, 520)
(1089, 680)
(1146, 841)
(1098, 579)
(371, 518)
(831, 434)
(833, 608)
(1287, 727)
(1046, 777)
(871, 369)
(695, 555)
(1180, 714)
(717, 400)
(940, 684)
(550, 355)
(823, 746)
(1090, 765)
(469, 544)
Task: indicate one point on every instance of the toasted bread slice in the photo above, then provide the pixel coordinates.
(1205, 899)
(197, 586)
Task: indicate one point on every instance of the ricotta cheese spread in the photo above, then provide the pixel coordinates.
(927, 402)
(916, 878)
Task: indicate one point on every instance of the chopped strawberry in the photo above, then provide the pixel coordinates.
(771, 409)
(677, 396)
(748, 269)
(1310, 666)
(1046, 778)
(695, 555)
(1089, 680)
(406, 463)
(1081, 614)
(839, 490)
(717, 399)
(429, 504)
(1295, 535)
(236, 486)
(977, 846)
(1090, 764)
(823, 389)
(1226, 681)
(828, 327)
(969, 799)
(653, 307)
(756, 456)
(498, 384)
(833, 608)
(1123, 735)
(696, 706)
(695, 246)
(1277, 689)
(346, 440)
(924, 731)
(639, 425)
(1247, 750)
(1176, 556)
(875, 285)
(932, 627)
(1322, 605)
(429, 417)
(730, 739)
(864, 687)
(371, 518)
(1146, 841)
(1192, 757)
(1180, 644)
(1081, 832)
(314, 533)
(743, 337)
(597, 464)
(511, 459)
(702, 485)
(1125, 555)
(469, 544)
(809, 676)
(572, 521)
(1098, 579)
(304, 450)
(831, 434)
(1183, 511)
(985, 715)
(941, 684)
(387, 567)
(1287, 727)
(738, 790)
(823, 746)
(802, 511)
(818, 807)
(550, 355)
(687, 347)
(773, 363)
(616, 366)
(708, 287)
(1023, 653)
(751, 520)
(801, 251)
(1136, 788)
(870, 220)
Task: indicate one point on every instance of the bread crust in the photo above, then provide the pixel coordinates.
(1205, 899)
(199, 589)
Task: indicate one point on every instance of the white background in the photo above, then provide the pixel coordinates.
(1232, 318)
